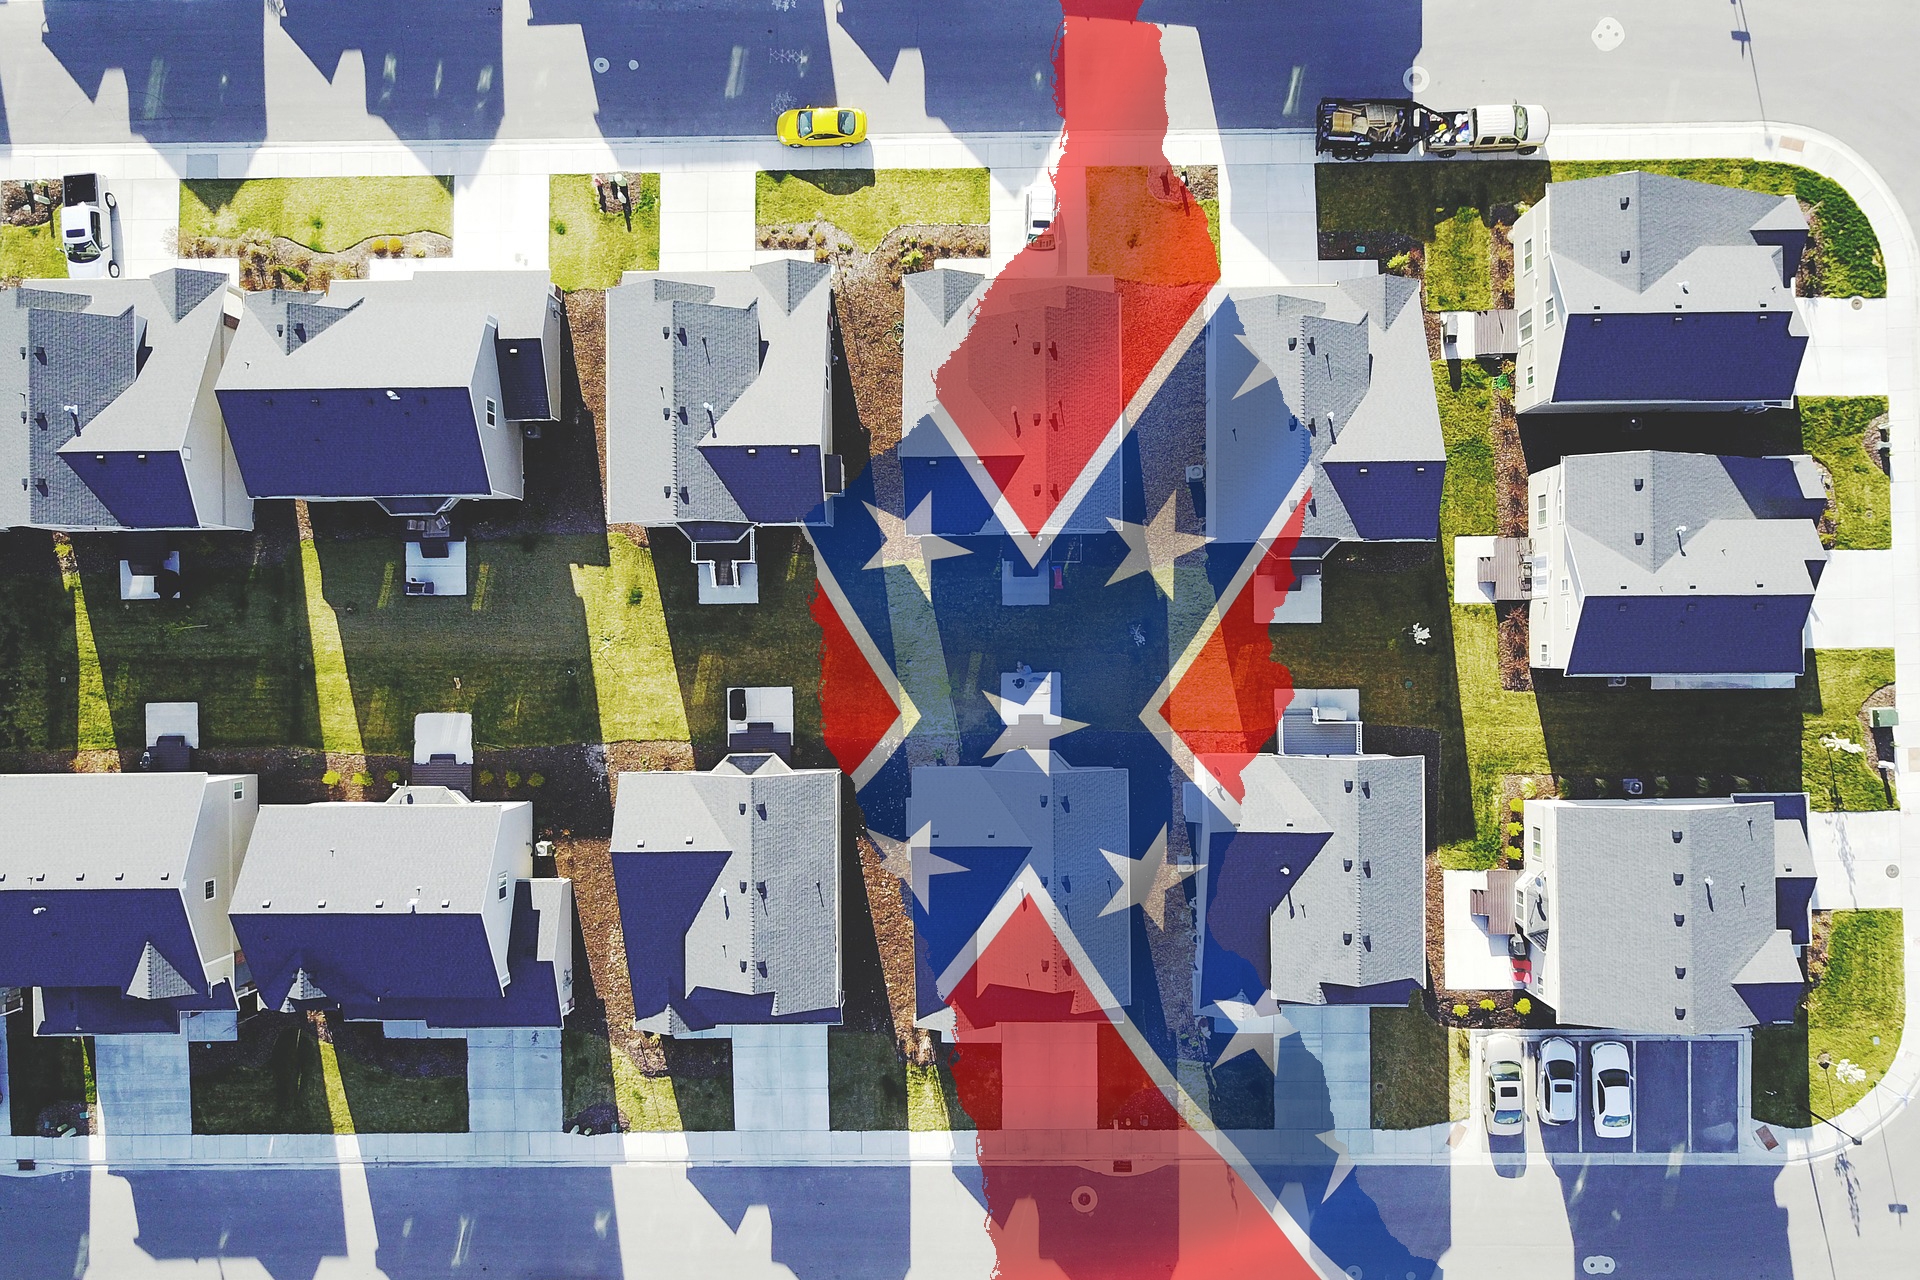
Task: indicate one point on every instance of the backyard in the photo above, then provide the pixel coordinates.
(1853, 1013)
(327, 215)
(590, 243)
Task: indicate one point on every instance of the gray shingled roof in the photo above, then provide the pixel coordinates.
(1747, 528)
(130, 354)
(1633, 949)
(1669, 230)
(138, 826)
(751, 344)
(352, 854)
(1351, 362)
(937, 313)
(780, 828)
(428, 331)
(1357, 915)
(1066, 817)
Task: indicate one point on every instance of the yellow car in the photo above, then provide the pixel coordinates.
(822, 127)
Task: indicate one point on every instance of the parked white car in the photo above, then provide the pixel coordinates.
(1557, 1088)
(1612, 1072)
(1506, 1103)
(86, 227)
(1040, 214)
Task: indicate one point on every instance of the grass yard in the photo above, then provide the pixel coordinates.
(324, 214)
(1459, 1074)
(1860, 996)
(279, 1077)
(868, 203)
(31, 253)
(596, 1078)
(1833, 430)
(1240, 1091)
(1848, 261)
(1212, 206)
(1458, 264)
(43, 1072)
(933, 1102)
(1410, 1068)
(588, 249)
(1414, 199)
(1836, 683)
(866, 1081)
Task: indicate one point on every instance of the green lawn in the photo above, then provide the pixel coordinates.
(1833, 429)
(866, 1081)
(43, 1071)
(1410, 1068)
(1861, 996)
(273, 1081)
(1837, 682)
(31, 253)
(696, 1095)
(1414, 199)
(588, 249)
(1849, 260)
(1459, 263)
(933, 1102)
(324, 214)
(868, 203)
(1213, 223)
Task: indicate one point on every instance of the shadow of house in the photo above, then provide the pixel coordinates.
(826, 1221)
(1693, 1219)
(1593, 732)
(436, 74)
(47, 1226)
(541, 1221)
(39, 661)
(1547, 440)
(195, 72)
(730, 73)
(236, 1214)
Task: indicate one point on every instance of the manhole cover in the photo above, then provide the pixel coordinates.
(1416, 79)
(601, 65)
(1893, 872)
(633, 64)
(1085, 1199)
(1607, 35)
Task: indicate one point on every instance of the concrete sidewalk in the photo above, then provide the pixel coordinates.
(1856, 857)
(1846, 347)
(1850, 604)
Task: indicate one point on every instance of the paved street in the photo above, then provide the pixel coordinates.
(502, 94)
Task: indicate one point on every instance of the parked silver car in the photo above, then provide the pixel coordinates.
(1557, 1086)
(1506, 1103)
(1612, 1072)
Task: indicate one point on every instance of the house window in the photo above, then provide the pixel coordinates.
(209, 891)
(1543, 654)
(1550, 313)
(1529, 374)
(1542, 504)
(1526, 325)
(491, 411)
(501, 891)
(1536, 842)
(239, 791)
(1526, 254)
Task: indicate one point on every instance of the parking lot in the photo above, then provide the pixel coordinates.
(1686, 1096)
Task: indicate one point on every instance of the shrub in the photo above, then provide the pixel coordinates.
(1517, 805)
(379, 247)
(331, 778)
(1514, 829)
(363, 779)
(1486, 1004)
(1523, 1006)
(513, 779)
(392, 776)
(396, 246)
(536, 780)
(559, 227)
(486, 777)
(635, 595)
(1460, 1011)
(1399, 262)
(913, 260)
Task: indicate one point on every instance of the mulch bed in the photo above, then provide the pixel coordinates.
(893, 933)
(1440, 1001)
(1516, 669)
(1502, 266)
(1510, 465)
(869, 306)
(264, 264)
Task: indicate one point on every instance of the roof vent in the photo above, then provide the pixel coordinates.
(322, 902)
(1625, 254)
(1679, 971)
(1679, 878)
(393, 395)
(446, 902)
(1346, 864)
(1685, 287)
(1624, 200)
(1678, 836)
(265, 903)
(1679, 920)
(379, 903)
(1679, 1013)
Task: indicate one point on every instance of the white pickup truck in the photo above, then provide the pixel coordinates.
(1511, 127)
(86, 227)
(1358, 128)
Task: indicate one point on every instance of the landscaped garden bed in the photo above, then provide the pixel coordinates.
(302, 233)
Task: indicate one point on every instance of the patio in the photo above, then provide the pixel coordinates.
(1475, 959)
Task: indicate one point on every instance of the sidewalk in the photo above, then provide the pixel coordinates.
(1856, 857)
(1850, 604)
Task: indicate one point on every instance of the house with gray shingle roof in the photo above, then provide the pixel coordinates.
(114, 889)
(720, 410)
(1313, 884)
(422, 909)
(119, 427)
(1662, 916)
(410, 393)
(1638, 291)
(1692, 569)
(729, 890)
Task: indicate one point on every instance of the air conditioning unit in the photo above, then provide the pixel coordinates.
(531, 430)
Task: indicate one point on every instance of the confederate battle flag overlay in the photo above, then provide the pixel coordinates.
(1038, 668)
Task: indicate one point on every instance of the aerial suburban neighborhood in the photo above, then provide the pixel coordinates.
(1040, 638)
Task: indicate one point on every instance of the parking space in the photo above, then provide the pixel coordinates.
(1686, 1096)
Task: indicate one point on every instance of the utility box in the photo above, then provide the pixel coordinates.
(1885, 717)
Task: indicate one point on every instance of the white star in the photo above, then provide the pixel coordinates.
(1152, 548)
(926, 864)
(1342, 1164)
(910, 543)
(1257, 1027)
(1145, 881)
(1027, 732)
(896, 856)
(1259, 375)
